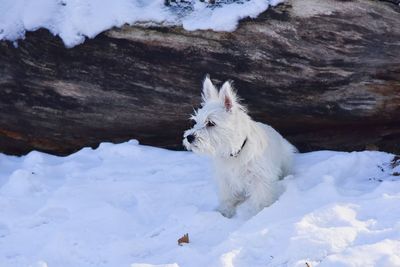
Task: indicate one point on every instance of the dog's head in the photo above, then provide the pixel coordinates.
(220, 125)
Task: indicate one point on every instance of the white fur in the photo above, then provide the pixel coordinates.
(249, 173)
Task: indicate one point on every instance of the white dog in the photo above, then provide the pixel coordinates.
(250, 157)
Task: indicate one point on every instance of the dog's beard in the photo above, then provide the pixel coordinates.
(200, 146)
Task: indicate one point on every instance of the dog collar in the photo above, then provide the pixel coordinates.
(237, 153)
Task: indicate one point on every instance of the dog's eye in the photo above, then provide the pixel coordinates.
(210, 124)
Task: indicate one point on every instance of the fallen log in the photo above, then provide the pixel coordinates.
(326, 74)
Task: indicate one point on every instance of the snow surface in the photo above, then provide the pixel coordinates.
(127, 204)
(74, 20)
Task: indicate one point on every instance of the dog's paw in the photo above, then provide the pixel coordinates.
(227, 212)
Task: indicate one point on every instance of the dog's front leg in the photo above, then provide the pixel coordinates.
(227, 198)
(262, 194)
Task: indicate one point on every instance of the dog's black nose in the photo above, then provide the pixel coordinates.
(190, 138)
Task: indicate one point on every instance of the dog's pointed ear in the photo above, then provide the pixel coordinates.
(227, 96)
(209, 90)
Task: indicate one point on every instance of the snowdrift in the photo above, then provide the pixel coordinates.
(127, 205)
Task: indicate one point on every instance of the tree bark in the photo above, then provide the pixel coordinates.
(326, 74)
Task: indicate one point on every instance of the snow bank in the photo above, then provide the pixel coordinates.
(127, 204)
(74, 20)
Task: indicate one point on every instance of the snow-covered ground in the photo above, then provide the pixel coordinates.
(74, 20)
(127, 204)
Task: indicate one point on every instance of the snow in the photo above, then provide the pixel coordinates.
(74, 20)
(128, 204)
